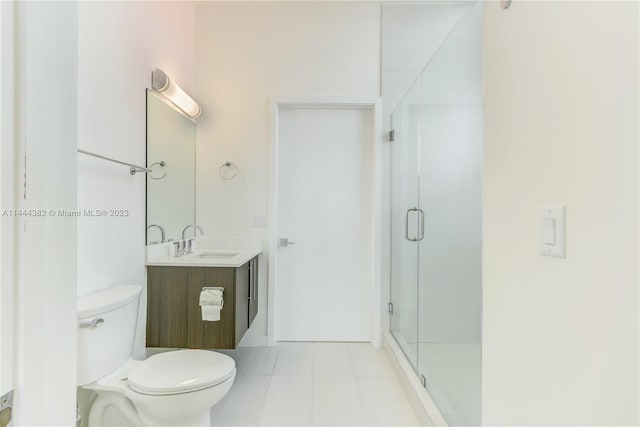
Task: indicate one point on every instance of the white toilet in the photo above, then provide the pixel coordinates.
(176, 388)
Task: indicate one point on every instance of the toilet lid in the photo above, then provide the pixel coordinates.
(181, 371)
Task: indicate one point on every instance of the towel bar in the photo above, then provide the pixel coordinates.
(133, 168)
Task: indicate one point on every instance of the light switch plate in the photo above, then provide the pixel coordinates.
(552, 231)
(258, 220)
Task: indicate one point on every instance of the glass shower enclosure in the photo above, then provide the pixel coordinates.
(436, 190)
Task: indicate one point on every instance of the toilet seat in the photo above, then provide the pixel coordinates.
(181, 371)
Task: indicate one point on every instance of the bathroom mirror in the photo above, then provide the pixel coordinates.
(171, 189)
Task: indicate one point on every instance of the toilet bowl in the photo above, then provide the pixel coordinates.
(174, 388)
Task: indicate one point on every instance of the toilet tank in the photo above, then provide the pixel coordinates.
(106, 331)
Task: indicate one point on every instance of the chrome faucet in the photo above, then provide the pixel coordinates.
(184, 230)
(162, 236)
(179, 248)
(183, 247)
(188, 246)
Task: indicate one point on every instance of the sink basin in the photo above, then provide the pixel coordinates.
(215, 255)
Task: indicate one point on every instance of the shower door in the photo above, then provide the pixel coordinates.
(405, 225)
(436, 187)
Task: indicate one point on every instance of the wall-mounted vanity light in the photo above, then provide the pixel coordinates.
(161, 83)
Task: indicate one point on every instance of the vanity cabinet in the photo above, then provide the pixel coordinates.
(174, 317)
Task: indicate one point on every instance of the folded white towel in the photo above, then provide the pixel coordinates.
(210, 314)
(211, 302)
(211, 297)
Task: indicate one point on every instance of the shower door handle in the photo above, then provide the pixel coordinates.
(421, 224)
(406, 225)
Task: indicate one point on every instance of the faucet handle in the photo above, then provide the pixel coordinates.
(189, 249)
(178, 248)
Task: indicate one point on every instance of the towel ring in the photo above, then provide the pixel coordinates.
(228, 166)
(162, 164)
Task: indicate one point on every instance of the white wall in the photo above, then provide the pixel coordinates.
(120, 43)
(560, 336)
(247, 53)
(7, 195)
(45, 76)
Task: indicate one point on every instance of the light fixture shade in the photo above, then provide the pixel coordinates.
(171, 91)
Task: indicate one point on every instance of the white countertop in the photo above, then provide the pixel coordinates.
(208, 258)
(208, 252)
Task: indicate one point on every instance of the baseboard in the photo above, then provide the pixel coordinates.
(426, 410)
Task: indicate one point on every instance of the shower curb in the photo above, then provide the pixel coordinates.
(426, 410)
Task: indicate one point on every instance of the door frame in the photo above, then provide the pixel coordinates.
(374, 104)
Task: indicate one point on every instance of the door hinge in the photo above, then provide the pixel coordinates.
(423, 381)
(390, 308)
(392, 135)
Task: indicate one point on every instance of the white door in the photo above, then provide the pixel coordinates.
(325, 210)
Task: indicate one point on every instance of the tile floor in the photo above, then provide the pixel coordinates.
(305, 384)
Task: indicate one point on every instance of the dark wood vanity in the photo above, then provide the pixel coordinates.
(173, 312)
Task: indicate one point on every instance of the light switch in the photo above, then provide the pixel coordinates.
(552, 231)
(549, 231)
(258, 220)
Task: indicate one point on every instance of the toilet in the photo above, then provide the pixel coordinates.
(174, 388)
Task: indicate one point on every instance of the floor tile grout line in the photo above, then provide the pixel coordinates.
(275, 362)
(360, 399)
(264, 401)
